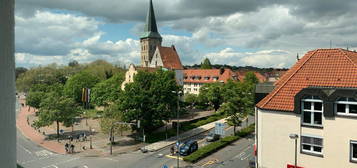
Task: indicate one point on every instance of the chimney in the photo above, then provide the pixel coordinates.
(173, 47)
(221, 70)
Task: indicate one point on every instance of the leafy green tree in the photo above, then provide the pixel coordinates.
(73, 63)
(235, 110)
(107, 91)
(58, 109)
(251, 78)
(34, 99)
(206, 64)
(191, 99)
(212, 93)
(102, 69)
(150, 98)
(111, 115)
(77, 82)
(19, 71)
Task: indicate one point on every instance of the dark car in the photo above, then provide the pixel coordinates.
(188, 147)
(252, 163)
(212, 137)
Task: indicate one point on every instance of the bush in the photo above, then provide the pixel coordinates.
(215, 146)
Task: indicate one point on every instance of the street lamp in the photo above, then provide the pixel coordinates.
(178, 126)
(295, 137)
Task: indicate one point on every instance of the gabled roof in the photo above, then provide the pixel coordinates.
(222, 77)
(150, 30)
(241, 76)
(169, 57)
(320, 68)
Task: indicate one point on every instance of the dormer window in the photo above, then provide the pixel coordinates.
(206, 77)
(215, 78)
(346, 106)
(312, 108)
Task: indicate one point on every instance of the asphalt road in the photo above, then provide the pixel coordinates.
(31, 155)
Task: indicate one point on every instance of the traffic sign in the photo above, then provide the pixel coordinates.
(219, 129)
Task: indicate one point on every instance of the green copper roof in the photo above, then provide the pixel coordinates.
(150, 30)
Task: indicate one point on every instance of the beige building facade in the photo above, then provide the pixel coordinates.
(315, 102)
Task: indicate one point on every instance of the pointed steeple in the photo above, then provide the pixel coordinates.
(150, 30)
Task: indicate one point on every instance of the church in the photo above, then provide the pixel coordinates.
(153, 55)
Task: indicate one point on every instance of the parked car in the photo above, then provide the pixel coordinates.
(212, 137)
(252, 163)
(188, 147)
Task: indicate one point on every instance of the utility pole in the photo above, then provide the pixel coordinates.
(178, 129)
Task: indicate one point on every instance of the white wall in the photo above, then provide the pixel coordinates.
(276, 149)
(7, 86)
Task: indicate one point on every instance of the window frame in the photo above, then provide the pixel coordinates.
(312, 111)
(352, 142)
(311, 151)
(347, 104)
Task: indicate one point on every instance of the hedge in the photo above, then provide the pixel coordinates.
(215, 146)
(184, 126)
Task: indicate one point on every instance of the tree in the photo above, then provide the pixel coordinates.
(206, 64)
(77, 82)
(19, 71)
(58, 109)
(235, 110)
(107, 91)
(34, 99)
(111, 115)
(191, 99)
(150, 98)
(212, 93)
(251, 78)
(73, 63)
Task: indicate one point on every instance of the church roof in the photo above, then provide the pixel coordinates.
(169, 57)
(150, 30)
(318, 68)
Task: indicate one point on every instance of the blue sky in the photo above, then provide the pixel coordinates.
(235, 32)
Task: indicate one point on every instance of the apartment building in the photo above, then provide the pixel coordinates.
(314, 102)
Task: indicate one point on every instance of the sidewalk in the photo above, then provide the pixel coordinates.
(162, 144)
(32, 134)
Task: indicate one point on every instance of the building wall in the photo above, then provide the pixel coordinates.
(179, 76)
(156, 60)
(148, 47)
(192, 88)
(276, 149)
(129, 76)
(7, 86)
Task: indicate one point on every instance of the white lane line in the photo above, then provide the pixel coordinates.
(28, 151)
(246, 157)
(62, 162)
(111, 159)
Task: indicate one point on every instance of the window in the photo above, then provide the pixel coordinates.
(313, 145)
(312, 108)
(353, 151)
(346, 106)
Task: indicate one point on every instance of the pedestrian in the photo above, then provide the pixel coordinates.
(70, 138)
(66, 147)
(84, 137)
(172, 150)
(72, 148)
(77, 138)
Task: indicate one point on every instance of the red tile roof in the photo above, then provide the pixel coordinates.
(170, 58)
(241, 76)
(222, 77)
(321, 67)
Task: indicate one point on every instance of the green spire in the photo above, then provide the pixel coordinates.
(150, 30)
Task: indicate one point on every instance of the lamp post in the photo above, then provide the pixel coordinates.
(178, 126)
(295, 137)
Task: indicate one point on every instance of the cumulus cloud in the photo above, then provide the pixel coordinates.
(263, 58)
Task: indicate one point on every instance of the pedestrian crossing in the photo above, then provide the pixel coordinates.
(44, 153)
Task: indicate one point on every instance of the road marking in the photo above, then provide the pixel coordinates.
(111, 159)
(210, 162)
(28, 151)
(43, 153)
(173, 157)
(50, 166)
(245, 157)
(85, 166)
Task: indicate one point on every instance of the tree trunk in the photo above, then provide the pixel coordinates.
(57, 130)
(166, 130)
(234, 130)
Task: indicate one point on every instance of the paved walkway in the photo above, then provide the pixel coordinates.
(162, 144)
(32, 134)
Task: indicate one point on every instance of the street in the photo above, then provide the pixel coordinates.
(31, 155)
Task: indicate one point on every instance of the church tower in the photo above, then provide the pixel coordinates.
(150, 38)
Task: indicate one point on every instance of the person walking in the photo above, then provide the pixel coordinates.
(66, 147)
(72, 148)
